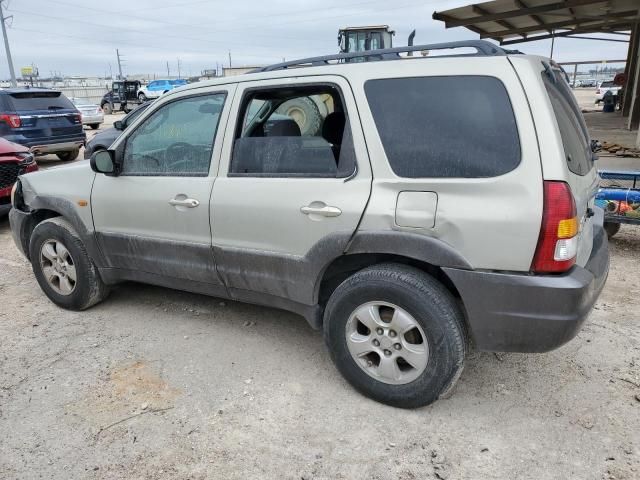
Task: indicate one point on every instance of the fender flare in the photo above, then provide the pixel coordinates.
(412, 245)
(67, 209)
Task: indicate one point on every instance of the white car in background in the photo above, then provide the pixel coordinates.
(92, 114)
(604, 87)
(158, 87)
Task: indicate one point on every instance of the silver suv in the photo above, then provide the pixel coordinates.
(406, 206)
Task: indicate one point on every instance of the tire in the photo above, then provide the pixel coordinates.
(69, 156)
(142, 97)
(305, 112)
(438, 317)
(611, 228)
(94, 126)
(106, 108)
(88, 288)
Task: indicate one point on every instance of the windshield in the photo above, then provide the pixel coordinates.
(23, 101)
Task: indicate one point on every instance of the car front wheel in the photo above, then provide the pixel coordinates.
(63, 267)
(142, 97)
(396, 334)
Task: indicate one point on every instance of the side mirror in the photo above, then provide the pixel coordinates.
(102, 162)
(118, 125)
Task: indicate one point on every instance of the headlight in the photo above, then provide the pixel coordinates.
(27, 158)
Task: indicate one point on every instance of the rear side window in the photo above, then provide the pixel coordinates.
(573, 130)
(23, 101)
(461, 126)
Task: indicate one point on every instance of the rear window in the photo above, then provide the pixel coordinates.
(40, 101)
(461, 126)
(607, 84)
(573, 129)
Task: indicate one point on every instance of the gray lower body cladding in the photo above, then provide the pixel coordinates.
(531, 313)
(505, 311)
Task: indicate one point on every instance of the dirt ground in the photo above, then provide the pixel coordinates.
(155, 384)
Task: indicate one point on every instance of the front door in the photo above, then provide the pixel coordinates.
(293, 184)
(153, 219)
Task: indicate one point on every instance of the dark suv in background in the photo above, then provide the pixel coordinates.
(43, 120)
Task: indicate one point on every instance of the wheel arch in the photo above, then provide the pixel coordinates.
(344, 266)
(45, 207)
(371, 248)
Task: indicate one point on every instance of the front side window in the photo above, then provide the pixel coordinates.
(462, 126)
(176, 140)
(293, 132)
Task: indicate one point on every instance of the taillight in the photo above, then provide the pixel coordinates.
(12, 120)
(558, 241)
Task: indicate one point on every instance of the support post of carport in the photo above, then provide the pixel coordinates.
(575, 74)
(634, 85)
(630, 70)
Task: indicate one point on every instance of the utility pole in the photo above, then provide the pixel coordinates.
(168, 74)
(229, 58)
(178, 67)
(4, 19)
(120, 77)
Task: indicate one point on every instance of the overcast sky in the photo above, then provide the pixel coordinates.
(79, 37)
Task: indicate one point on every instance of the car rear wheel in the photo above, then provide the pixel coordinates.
(396, 334)
(142, 97)
(63, 267)
(95, 126)
(68, 156)
(106, 108)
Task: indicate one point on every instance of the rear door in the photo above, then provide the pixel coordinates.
(46, 114)
(285, 194)
(579, 158)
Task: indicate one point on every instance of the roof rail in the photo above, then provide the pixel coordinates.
(483, 48)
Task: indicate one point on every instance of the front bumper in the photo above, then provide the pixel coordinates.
(19, 222)
(531, 313)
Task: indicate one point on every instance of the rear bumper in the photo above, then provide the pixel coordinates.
(531, 313)
(92, 119)
(55, 147)
(50, 145)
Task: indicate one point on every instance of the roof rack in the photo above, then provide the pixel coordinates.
(483, 48)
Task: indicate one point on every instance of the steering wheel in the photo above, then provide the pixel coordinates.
(179, 155)
(180, 150)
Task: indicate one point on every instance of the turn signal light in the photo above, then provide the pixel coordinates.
(558, 242)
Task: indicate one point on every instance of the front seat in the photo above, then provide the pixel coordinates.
(283, 128)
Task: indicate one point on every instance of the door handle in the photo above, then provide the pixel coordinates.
(321, 209)
(186, 202)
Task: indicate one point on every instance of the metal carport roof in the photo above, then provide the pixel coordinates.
(515, 21)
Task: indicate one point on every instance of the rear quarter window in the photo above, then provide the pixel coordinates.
(24, 101)
(462, 126)
(571, 125)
